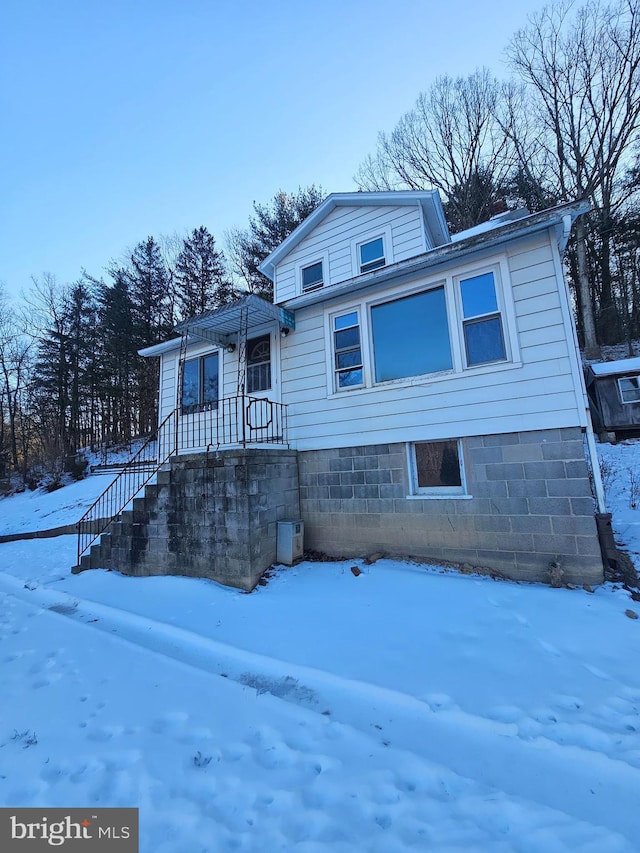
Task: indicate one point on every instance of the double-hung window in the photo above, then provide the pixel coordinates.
(259, 364)
(199, 383)
(312, 277)
(481, 320)
(371, 255)
(411, 335)
(347, 351)
(629, 387)
(436, 468)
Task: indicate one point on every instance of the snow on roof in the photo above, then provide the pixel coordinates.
(490, 224)
(613, 368)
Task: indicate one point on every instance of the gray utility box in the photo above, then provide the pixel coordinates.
(290, 544)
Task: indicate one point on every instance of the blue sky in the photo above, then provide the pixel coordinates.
(125, 119)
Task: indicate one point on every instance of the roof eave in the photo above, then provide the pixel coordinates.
(428, 199)
(555, 218)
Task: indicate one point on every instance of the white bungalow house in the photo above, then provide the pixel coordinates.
(409, 392)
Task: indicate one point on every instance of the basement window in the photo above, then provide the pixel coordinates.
(436, 468)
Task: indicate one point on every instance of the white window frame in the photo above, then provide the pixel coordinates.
(622, 392)
(505, 312)
(438, 492)
(435, 284)
(268, 336)
(383, 233)
(318, 258)
(200, 406)
(335, 371)
(449, 281)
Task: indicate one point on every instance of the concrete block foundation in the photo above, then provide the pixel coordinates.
(528, 504)
(210, 515)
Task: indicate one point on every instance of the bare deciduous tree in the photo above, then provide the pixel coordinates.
(452, 141)
(582, 68)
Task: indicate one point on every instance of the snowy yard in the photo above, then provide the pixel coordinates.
(407, 708)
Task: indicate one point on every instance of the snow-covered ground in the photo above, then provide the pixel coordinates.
(406, 708)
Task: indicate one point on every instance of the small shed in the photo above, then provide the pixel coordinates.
(614, 392)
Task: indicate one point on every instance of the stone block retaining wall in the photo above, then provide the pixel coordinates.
(209, 515)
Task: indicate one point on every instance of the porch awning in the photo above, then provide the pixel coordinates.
(222, 324)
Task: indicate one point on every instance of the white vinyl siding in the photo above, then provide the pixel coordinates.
(333, 239)
(168, 391)
(535, 389)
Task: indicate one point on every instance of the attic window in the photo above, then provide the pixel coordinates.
(629, 389)
(312, 278)
(371, 255)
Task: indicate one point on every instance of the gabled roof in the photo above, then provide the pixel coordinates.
(499, 231)
(429, 201)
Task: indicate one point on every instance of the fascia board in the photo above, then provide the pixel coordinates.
(445, 255)
(159, 349)
(429, 199)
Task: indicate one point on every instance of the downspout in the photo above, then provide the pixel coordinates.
(598, 486)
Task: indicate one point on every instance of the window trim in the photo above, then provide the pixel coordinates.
(383, 233)
(312, 260)
(256, 338)
(375, 263)
(436, 492)
(200, 406)
(621, 392)
(364, 301)
(335, 371)
(436, 284)
(505, 313)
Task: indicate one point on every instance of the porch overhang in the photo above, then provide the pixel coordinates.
(222, 325)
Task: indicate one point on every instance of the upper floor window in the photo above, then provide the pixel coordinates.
(371, 255)
(259, 364)
(629, 389)
(312, 277)
(482, 321)
(199, 383)
(411, 336)
(347, 350)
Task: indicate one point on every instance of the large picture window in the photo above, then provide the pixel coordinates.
(482, 323)
(200, 383)
(411, 336)
(259, 364)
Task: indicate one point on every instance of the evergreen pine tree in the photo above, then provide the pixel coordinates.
(201, 281)
(272, 223)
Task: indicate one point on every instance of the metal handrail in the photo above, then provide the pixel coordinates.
(232, 421)
(135, 474)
